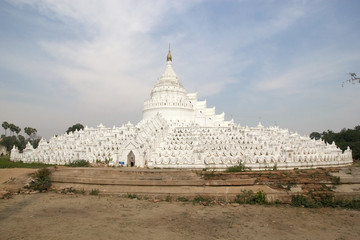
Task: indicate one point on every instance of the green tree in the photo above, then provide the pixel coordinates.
(75, 127)
(10, 141)
(315, 135)
(30, 131)
(17, 130)
(12, 128)
(35, 141)
(345, 138)
(33, 138)
(5, 125)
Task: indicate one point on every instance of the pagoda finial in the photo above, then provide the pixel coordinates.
(169, 58)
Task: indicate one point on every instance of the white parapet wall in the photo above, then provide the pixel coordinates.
(156, 143)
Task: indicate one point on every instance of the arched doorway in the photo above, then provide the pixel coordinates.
(131, 159)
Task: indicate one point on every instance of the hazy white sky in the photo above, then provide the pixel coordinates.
(91, 62)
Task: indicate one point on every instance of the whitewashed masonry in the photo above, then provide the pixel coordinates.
(178, 131)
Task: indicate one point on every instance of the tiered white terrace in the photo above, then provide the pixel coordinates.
(178, 131)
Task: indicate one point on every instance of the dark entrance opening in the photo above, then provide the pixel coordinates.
(131, 159)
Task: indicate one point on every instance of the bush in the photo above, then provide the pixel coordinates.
(168, 198)
(302, 201)
(72, 190)
(202, 200)
(182, 199)
(209, 175)
(323, 201)
(250, 198)
(352, 204)
(239, 168)
(42, 181)
(335, 180)
(94, 192)
(133, 196)
(327, 201)
(259, 198)
(79, 163)
(244, 197)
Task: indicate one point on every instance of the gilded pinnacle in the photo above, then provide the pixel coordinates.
(169, 58)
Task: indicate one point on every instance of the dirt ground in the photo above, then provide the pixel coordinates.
(62, 216)
(12, 179)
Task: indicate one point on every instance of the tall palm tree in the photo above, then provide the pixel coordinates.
(12, 128)
(17, 130)
(5, 125)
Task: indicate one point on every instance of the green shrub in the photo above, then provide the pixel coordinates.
(335, 180)
(133, 196)
(79, 163)
(275, 167)
(298, 201)
(72, 190)
(302, 201)
(250, 198)
(168, 198)
(239, 168)
(259, 198)
(244, 197)
(94, 192)
(42, 181)
(327, 200)
(352, 204)
(202, 200)
(209, 175)
(182, 199)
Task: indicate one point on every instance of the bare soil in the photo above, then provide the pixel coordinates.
(63, 216)
(76, 216)
(13, 179)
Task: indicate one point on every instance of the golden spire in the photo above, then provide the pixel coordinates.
(169, 58)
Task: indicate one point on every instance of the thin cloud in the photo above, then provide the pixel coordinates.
(97, 61)
(304, 74)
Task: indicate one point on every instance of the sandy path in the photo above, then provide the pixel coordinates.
(57, 216)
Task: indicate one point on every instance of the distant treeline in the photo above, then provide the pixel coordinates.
(18, 140)
(343, 139)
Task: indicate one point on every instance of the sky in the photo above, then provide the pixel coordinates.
(86, 61)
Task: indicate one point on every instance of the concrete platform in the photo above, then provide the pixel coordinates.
(190, 183)
(152, 182)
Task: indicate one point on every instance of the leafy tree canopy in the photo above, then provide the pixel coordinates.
(19, 141)
(75, 127)
(29, 131)
(5, 125)
(343, 139)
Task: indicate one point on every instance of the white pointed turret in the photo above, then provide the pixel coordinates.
(168, 81)
(170, 99)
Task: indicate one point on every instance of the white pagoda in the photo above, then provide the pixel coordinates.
(178, 131)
